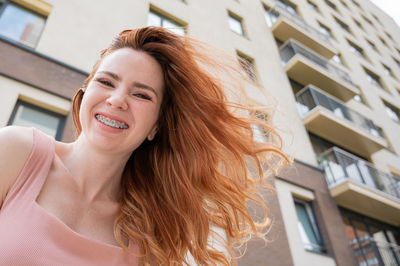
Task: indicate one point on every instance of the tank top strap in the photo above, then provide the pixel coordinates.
(31, 179)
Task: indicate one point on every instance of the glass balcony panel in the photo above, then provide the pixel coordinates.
(305, 102)
(368, 174)
(339, 109)
(339, 165)
(297, 48)
(292, 15)
(311, 56)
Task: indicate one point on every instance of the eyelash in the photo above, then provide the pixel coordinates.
(139, 95)
(105, 82)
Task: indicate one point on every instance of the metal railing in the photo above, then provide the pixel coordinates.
(281, 10)
(340, 165)
(310, 97)
(371, 252)
(292, 48)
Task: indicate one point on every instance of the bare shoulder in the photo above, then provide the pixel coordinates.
(16, 145)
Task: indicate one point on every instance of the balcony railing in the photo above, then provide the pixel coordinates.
(280, 10)
(340, 165)
(292, 48)
(370, 252)
(309, 98)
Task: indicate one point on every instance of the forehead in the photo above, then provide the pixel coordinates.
(134, 66)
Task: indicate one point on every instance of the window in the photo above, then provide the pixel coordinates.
(393, 112)
(367, 20)
(29, 115)
(373, 78)
(338, 59)
(308, 227)
(358, 24)
(247, 64)
(325, 30)
(235, 24)
(377, 19)
(313, 6)
(343, 25)
(21, 24)
(355, 49)
(261, 134)
(331, 5)
(359, 98)
(383, 41)
(372, 45)
(344, 4)
(371, 240)
(388, 71)
(356, 4)
(270, 16)
(156, 19)
(396, 61)
(290, 7)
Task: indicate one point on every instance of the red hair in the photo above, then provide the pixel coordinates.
(195, 172)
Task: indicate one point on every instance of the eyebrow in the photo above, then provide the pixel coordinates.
(135, 84)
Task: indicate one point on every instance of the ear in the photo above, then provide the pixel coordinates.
(152, 133)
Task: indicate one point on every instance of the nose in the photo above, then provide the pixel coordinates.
(117, 100)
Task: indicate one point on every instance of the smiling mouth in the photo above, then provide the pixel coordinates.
(110, 122)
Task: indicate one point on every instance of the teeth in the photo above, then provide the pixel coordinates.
(110, 122)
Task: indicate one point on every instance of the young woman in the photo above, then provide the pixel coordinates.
(160, 161)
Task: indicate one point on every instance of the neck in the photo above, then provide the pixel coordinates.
(97, 173)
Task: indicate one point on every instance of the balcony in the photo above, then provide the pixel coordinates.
(332, 120)
(307, 67)
(286, 25)
(357, 185)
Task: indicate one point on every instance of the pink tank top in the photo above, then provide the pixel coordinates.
(29, 235)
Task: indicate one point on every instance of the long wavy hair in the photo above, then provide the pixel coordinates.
(202, 169)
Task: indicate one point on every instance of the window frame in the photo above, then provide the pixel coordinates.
(343, 25)
(166, 17)
(250, 67)
(239, 19)
(372, 46)
(313, 6)
(309, 208)
(388, 71)
(393, 111)
(62, 118)
(356, 50)
(7, 3)
(375, 77)
(325, 29)
(331, 5)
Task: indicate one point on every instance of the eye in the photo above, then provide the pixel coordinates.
(105, 82)
(142, 96)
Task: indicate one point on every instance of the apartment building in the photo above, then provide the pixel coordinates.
(333, 66)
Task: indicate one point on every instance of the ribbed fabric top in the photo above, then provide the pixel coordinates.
(29, 235)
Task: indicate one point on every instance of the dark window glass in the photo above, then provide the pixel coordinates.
(308, 227)
(29, 115)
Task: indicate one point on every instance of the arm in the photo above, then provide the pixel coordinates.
(15, 147)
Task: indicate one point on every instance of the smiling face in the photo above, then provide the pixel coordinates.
(120, 106)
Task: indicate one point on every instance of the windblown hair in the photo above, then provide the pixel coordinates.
(194, 175)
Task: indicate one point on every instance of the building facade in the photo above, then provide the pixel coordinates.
(333, 66)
